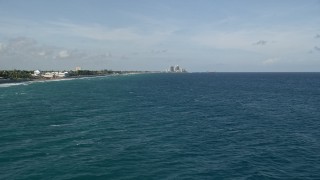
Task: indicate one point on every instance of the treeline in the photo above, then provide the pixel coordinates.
(23, 74)
(16, 74)
(99, 73)
(90, 73)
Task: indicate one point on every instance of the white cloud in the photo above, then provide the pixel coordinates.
(282, 41)
(222, 40)
(95, 31)
(160, 51)
(42, 53)
(70, 34)
(63, 54)
(270, 61)
(261, 43)
(108, 54)
(20, 53)
(103, 33)
(1, 46)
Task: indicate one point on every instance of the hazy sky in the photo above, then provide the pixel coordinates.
(199, 35)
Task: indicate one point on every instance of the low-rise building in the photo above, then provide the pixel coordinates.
(36, 73)
(52, 75)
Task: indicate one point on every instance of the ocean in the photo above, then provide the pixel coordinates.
(163, 126)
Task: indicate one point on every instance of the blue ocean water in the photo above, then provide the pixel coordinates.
(163, 126)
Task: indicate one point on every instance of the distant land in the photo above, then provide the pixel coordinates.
(12, 76)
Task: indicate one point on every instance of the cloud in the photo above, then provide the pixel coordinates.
(95, 35)
(25, 47)
(100, 32)
(317, 48)
(159, 51)
(96, 32)
(221, 40)
(270, 61)
(42, 53)
(18, 46)
(26, 53)
(21, 43)
(1, 46)
(108, 54)
(260, 43)
(283, 42)
(317, 36)
(63, 54)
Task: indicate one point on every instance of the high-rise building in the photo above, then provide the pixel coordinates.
(177, 68)
(171, 69)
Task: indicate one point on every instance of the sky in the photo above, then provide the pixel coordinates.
(198, 35)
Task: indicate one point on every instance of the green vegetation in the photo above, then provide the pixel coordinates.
(100, 73)
(90, 73)
(16, 74)
(27, 75)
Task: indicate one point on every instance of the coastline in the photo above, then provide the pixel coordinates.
(15, 81)
(10, 81)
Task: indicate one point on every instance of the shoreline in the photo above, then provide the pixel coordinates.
(12, 81)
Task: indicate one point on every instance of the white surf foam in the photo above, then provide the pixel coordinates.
(12, 84)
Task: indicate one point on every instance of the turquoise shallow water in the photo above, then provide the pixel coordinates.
(163, 126)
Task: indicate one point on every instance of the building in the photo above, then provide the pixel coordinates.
(176, 69)
(36, 73)
(53, 75)
(62, 74)
(48, 75)
(171, 69)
